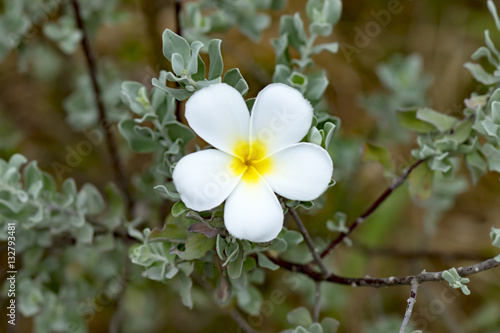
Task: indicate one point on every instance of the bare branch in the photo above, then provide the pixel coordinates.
(309, 241)
(383, 282)
(398, 182)
(409, 308)
(110, 142)
(241, 321)
(317, 302)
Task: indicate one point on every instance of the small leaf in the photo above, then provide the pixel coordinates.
(265, 262)
(480, 74)
(196, 247)
(173, 43)
(299, 317)
(179, 208)
(216, 62)
(379, 154)
(179, 94)
(420, 181)
(234, 78)
(235, 267)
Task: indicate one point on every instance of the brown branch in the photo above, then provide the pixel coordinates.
(383, 282)
(110, 142)
(368, 212)
(309, 242)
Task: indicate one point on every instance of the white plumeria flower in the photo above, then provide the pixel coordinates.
(255, 156)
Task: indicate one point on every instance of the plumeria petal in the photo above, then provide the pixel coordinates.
(219, 115)
(204, 179)
(253, 212)
(281, 116)
(300, 172)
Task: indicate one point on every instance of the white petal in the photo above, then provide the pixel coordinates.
(281, 116)
(300, 172)
(204, 179)
(219, 115)
(253, 212)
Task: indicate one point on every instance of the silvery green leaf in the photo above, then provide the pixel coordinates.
(490, 45)
(480, 74)
(329, 129)
(486, 53)
(492, 155)
(495, 236)
(137, 140)
(173, 43)
(493, 11)
(327, 11)
(330, 47)
(314, 136)
(299, 317)
(281, 74)
(185, 290)
(234, 78)
(293, 27)
(179, 208)
(135, 100)
(220, 245)
(476, 164)
(234, 268)
(278, 245)
(298, 81)
(330, 325)
(196, 247)
(216, 62)
(85, 234)
(315, 328)
(280, 46)
(178, 94)
(323, 29)
(192, 67)
(169, 193)
(292, 238)
(316, 87)
(90, 200)
(264, 262)
(177, 64)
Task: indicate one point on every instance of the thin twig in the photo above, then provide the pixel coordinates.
(398, 182)
(114, 324)
(309, 242)
(411, 302)
(110, 142)
(383, 282)
(235, 315)
(241, 321)
(317, 302)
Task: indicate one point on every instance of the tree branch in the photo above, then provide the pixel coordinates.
(398, 182)
(383, 282)
(110, 142)
(309, 241)
(317, 302)
(411, 302)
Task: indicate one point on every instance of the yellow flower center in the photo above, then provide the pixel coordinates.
(251, 160)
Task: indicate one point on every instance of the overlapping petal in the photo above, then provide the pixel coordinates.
(219, 115)
(281, 116)
(204, 179)
(300, 172)
(253, 212)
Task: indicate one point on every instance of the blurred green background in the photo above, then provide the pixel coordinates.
(395, 241)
